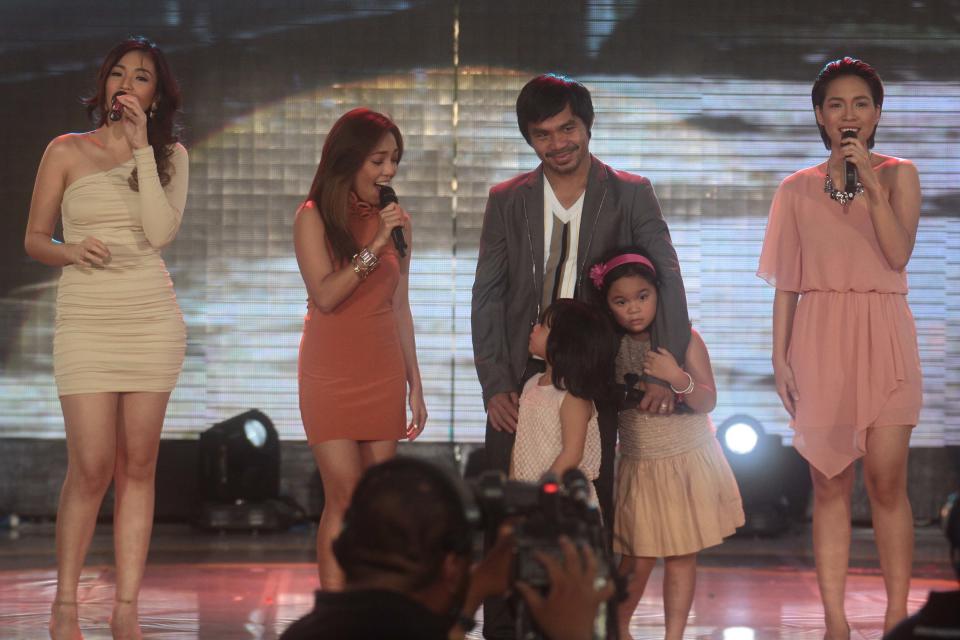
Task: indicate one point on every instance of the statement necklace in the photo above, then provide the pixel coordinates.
(843, 197)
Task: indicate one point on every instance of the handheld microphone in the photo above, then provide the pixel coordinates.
(850, 168)
(387, 196)
(116, 107)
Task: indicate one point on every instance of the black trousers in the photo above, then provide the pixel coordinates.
(498, 619)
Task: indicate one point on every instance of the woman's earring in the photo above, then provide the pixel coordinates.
(153, 110)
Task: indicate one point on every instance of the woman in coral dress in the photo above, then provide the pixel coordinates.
(358, 358)
(845, 354)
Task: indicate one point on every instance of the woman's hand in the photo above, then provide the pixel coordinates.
(786, 388)
(88, 252)
(418, 409)
(856, 152)
(133, 121)
(391, 217)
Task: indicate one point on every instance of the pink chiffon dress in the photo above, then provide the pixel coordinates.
(853, 348)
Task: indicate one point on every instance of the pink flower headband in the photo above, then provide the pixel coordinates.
(601, 269)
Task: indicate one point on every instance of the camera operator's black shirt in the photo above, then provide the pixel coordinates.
(368, 614)
(939, 618)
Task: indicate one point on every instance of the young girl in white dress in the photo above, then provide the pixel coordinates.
(557, 426)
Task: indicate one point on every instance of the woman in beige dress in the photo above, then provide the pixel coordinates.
(120, 338)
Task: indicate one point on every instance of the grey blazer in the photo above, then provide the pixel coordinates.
(619, 209)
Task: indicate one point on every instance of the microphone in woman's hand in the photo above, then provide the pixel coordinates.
(116, 107)
(387, 196)
(851, 169)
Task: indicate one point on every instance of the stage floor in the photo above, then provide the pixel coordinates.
(244, 586)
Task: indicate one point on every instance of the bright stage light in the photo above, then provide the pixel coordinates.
(758, 461)
(256, 432)
(741, 438)
(738, 633)
(741, 434)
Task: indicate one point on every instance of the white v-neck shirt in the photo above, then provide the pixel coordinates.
(552, 208)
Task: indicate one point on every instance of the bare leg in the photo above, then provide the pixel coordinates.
(885, 475)
(139, 422)
(637, 572)
(90, 421)
(679, 581)
(340, 466)
(376, 451)
(341, 463)
(831, 545)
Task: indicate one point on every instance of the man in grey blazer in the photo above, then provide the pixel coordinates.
(590, 209)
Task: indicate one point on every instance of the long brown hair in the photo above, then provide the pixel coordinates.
(351, 139)
(162, 130)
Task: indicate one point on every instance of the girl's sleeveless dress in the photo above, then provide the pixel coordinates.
(675, 491)
(538, 441)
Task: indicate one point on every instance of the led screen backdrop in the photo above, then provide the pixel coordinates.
(711, 104)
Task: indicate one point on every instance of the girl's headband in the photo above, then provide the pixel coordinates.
(601, 269)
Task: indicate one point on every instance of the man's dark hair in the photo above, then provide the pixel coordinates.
(547, 95)
(405, 516)
(581, 348)
(846, 66)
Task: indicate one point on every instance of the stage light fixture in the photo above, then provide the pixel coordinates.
(240, 476)
(756, 459)
(240, 459)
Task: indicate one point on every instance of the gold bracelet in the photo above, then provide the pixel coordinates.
(364, 263)
(359, 271)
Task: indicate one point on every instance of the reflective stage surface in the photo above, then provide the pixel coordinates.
(241, 586)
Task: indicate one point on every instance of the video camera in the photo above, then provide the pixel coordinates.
(540, 513)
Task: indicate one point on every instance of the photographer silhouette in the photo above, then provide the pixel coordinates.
(405, 550)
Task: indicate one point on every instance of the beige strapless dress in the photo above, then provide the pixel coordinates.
(118, 327)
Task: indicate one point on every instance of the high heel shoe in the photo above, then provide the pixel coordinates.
(120, 621)
(827, 636)
(64, 629)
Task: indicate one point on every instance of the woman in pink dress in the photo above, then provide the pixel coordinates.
(845, 354)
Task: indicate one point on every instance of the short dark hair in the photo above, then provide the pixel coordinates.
(846, 66)
(581, 348)
(547, 95)
(405, 516)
